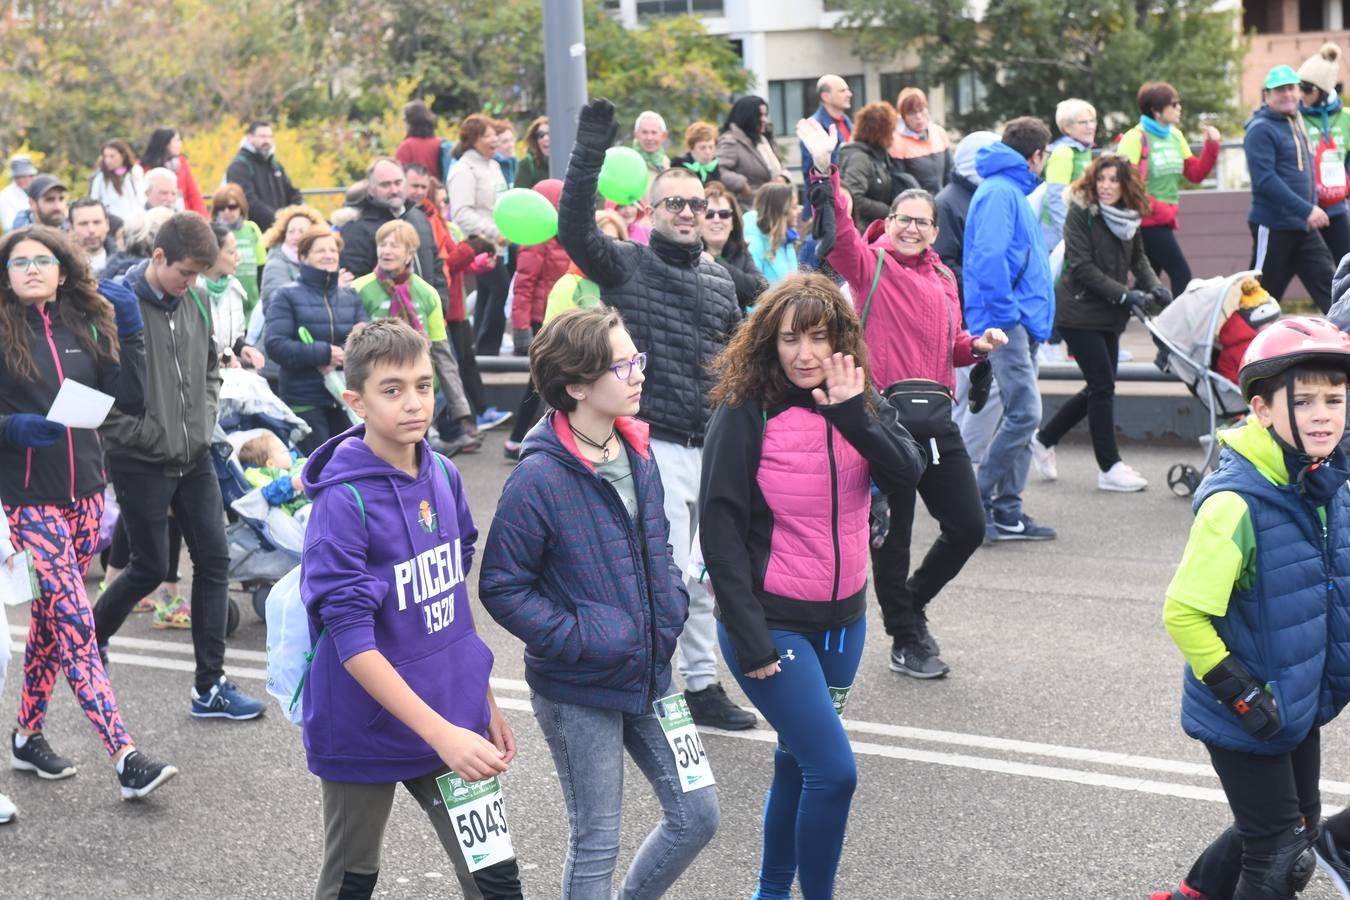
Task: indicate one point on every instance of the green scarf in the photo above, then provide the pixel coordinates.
(657, 160)
(216, 289)
(699, 169)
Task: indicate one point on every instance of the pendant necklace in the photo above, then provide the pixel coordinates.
(603, 448)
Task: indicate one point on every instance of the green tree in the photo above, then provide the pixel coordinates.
(1027, 55)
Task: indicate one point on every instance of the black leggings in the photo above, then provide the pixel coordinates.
(119, 553)
(1337, 236)
(528, 412)
(1271, 798)
(951, 496)
(1165, 256)
(1097, 354)
(462, 343)
(1280, 255)
(489, 311)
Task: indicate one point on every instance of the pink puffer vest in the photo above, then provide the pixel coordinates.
(820, 500)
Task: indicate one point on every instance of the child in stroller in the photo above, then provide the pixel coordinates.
(275, 468)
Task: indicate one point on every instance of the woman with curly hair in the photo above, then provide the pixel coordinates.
(282, 242)
(797, 436)
(1103, 246)
(57, 323)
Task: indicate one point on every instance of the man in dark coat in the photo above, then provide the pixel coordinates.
(266, 185)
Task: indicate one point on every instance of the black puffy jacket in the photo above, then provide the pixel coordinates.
(359, 252)
(328, 312)
(266, 186)
(678, 307)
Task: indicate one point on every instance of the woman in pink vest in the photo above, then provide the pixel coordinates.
(796, 438)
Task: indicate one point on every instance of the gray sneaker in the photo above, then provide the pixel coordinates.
(915, 661)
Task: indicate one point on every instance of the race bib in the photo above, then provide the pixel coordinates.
(839, 696)
(478, 813)
(1331, 168)
(678, 726)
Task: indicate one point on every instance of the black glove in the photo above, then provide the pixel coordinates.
(596, 128)
(1134, 301)
(1161, 295)
(981, 381)
(1257, 712)
(520, 341)
(879, 521)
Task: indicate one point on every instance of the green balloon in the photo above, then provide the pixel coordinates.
(525, 217)
(623, 177)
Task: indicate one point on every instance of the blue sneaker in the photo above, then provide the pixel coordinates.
(491, 418)
(1022, 528)
(226, 701)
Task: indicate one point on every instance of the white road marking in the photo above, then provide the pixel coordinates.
(887, 751)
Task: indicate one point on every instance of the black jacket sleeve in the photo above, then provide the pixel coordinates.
(358, 248)
(731, 452)
(607, 262)
(894, 459)
(746, 276)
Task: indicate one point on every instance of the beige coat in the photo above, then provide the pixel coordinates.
(736, 153)
(474, 186)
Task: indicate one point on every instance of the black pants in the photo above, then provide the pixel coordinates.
(1337, 236)
(1271, 798)
(527, 413)
(119, 552)
(1280, 255)
(1097, 354)
(489, 311)
(324, 422)
(195, 499)
(1164, 254)
(951, 496)
(462, 343)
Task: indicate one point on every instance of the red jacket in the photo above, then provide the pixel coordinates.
(455, 258)
(187, 187)
(914, 327)
(425, 151)
(538, 268)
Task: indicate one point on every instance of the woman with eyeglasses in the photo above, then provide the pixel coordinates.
(1069, 156)
(534, 167)
(1329, 137)
(230, 208)
(797, 436)
(1163, 155)
(724, 241)
(1106, 277)
(578, 566)
(56, 324)
(771, 231)
(911, 313)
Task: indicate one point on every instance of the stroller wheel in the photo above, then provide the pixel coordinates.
(260, 592)
(232, 619)
(1183, 479)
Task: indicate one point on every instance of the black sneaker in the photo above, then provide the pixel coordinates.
(140, 775)
(712, 707)
(925, 636)
(37, 756)
(1332, 862)
(915, 660)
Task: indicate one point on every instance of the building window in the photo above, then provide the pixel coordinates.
(964, 95)
(796, 99)
(648, 9)
(892, 83)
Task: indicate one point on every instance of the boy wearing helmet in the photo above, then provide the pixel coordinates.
(1260, 609)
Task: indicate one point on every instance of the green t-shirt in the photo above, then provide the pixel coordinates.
(249, 240)
(425, 299)
(1166, 160)
(619, 473)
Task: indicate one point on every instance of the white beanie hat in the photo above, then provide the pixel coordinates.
(1323, 69)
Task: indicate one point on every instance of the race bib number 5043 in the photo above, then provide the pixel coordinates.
(678, 726)
(478, 814)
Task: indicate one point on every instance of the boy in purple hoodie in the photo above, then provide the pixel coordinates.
(398, 687)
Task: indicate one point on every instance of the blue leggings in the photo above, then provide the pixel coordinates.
(814, 772)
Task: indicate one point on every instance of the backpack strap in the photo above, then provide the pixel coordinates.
(876, 278)
(201, 308)
(360, 504)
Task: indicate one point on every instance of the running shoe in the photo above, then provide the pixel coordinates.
(1120, 478)
(226, 701)
(38, 757)
(1022, 528)
(491, 418)
(140, 775)
(465, 443)
(176, 613)
(8, 811)
(915, 661)
(1043, 460)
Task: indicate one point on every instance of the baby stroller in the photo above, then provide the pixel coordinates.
(1187, 336)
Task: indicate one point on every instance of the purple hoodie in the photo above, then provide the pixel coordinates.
(387, 572)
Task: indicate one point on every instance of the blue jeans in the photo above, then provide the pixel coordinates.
(1003, 473)
(814, 772)
(587, 746)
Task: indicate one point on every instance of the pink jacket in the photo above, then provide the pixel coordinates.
(802, 546)
(914, 327)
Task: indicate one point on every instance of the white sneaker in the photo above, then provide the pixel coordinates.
(8, 811)
(1122, 479)
(1043, 459)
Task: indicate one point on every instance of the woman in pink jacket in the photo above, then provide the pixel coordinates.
(911, 314)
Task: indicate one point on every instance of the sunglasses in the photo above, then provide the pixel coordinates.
(718, 214)
(1306, 88)
(230, 206)
(677, 204)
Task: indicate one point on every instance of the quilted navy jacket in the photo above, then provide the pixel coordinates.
(328, 312)
(595, 596)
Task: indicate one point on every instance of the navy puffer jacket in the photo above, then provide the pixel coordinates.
(328, 312)
(595, 595)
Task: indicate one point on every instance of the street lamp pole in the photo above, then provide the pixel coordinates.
(565, 78)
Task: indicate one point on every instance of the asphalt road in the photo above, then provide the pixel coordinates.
(1049, 764)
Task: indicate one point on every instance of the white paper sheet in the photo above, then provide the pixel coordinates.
(79, 406)
(18, 584)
